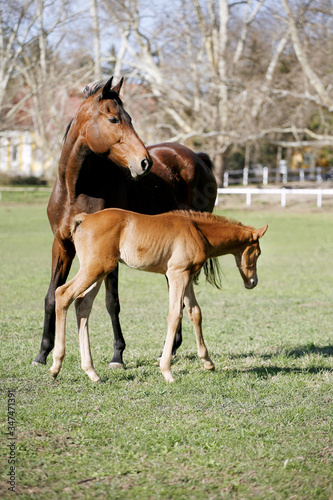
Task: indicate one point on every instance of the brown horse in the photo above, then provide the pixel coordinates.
(101, 166)
(176, 244)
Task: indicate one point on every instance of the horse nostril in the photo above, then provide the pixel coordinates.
(145, 164)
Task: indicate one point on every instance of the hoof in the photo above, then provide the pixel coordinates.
(168, 377)
(37, 363)
(115, 366)
(209, 365)
(53, 373)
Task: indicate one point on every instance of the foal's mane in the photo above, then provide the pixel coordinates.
(208, 217)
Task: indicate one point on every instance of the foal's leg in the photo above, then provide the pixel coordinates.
(195, 316)
(113, 307)
(178, 338)
(177, 284)
(83, 306)
(65, 295)
(62, 258)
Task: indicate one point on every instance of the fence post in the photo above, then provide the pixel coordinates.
(283, 197)
(226, 179)
(265, 176)
(283, 166)
(319, 198)
(318, 175)
(245, 176)
(248, 198)
(301, 175)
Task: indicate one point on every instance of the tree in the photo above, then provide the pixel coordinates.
(214, 74)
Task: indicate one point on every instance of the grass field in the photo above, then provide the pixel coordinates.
(260, 426)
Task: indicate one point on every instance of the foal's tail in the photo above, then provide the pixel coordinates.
(77, 220)
(212, 273)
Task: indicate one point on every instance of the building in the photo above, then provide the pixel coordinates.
(20, 154)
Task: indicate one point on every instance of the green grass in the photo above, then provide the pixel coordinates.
(260, 426)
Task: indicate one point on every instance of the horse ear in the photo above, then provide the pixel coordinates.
(107, 88)
(117, 87)
(259, 233)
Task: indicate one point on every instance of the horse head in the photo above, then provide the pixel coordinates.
(106, 128)
(247, 255)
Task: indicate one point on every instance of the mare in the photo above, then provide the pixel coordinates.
(176, 244)
(101, 165)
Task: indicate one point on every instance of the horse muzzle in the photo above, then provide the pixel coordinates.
(142, 169)
(251, 283)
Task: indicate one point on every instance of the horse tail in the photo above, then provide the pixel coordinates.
(212, 273)
(76, 222)
(207, 161)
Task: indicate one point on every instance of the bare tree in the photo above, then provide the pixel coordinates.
(212, 73)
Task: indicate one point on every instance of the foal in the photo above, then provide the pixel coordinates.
(176, 244)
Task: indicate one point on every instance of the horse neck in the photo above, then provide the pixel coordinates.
(224, 237)
(72, 157)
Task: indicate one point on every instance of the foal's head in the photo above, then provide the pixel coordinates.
(107, 130)
(246, 258)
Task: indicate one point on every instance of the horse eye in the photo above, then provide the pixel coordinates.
(113, 119)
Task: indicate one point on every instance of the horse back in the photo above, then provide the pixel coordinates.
(190, 174)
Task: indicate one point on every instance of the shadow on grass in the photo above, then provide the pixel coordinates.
(297, 352)
(270, 371)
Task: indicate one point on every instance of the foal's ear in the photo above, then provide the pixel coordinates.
(117, 87)
(258, 233)
(107, 88)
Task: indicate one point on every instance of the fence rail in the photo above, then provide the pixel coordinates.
(282, 192)
(265, 176)
(24, 190)
(248, 192)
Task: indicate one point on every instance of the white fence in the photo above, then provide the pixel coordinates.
(282, 192)
(265, 176)
(248, 192)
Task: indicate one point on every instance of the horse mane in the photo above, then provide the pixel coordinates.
(207, 216)
(90, 90)
(211, 268)
(67, 130)
(93, 88)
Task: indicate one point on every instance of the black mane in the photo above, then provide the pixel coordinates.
(90, 90)
(93, 89)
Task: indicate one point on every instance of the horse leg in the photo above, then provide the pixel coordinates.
(178, 338)
(195, 316)
(113, 307)
(83, 306)
(62, 258)
(177, 285)
(65, 295)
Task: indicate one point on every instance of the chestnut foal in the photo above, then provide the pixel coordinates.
(176, 244)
